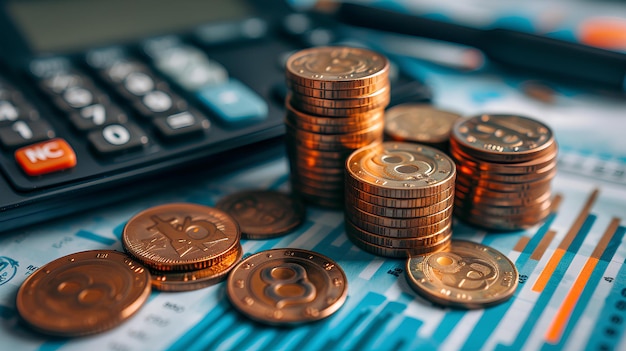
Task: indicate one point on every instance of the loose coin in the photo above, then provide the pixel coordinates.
(181, 236)
(287, 286)
(467, 275)
(263, 214)
(83, 293)
(420, 123)
(195, 279)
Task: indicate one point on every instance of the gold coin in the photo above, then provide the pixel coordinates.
(197, 278)
(467, 275)
(83, 293)
(181, 236)
(336, 68)
(502, 138)
(263, 214)
(287, 286)
(420, 123)
(400, 170)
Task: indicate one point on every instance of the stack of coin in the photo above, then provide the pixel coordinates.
(420, 123)
(399, 199)
(335, 105)
(505, 166)
(185, 246)
(466, 275)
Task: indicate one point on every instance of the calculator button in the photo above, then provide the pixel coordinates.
(60, 82)
(97, 115)
(116, 138)
(159, 102)
(20, 133)
(46, 157)
(78, 97)
(8, 111)
(138, 83)
(234, 103)
(181, 124)
(228, 32)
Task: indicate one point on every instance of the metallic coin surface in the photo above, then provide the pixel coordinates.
(394, 252)
(357, 215)
(413, 170)
(401, 243)
(181, 236)
(336, 68)
(394, 212)
(399, 203)
(287, 286)
(263, 214)
(503, 138)
(198, 278)
(83, 293)
(467, 275)
(420, 123)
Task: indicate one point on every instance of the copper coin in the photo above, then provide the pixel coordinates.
(83, 293)
(197, 278)
(349, 125)
(357, 215)
(506, 168)
(469, 182)
(287, 286)
(394, 252)
(263, 214)
(503, 223)
(502, 138)
(336, 68)
(377, 98)
(400, 170)
(497, 202)
(467, 275)
(411, 212)
(369, 133)
(357, 118)
(181, 236)
(399, 243)
(337, 94)
(399, 203)
(504, 195)
(306, 107)
(546, 173)
(420, 123)
(373, 136)
(409, 232)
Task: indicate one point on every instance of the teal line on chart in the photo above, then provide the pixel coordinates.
(494, 314)
(186, 340)
(609, 327)
(279, 182)
(553, 283)
(367, 338)
(95, 237)
(590, 287)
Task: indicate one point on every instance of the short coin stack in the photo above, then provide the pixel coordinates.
(505, 166)
(185, 246)
(335, 105)
(399, 199)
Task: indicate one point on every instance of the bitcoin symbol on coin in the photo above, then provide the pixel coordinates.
(192, 235)
(400, 165)
(288, 284)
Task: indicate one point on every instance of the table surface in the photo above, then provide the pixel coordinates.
(572, 291)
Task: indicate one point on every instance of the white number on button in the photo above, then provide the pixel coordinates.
(116, 134)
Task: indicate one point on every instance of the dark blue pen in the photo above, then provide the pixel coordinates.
(524, 52)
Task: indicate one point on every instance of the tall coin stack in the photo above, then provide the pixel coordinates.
(335, 105)
(399, 199)
(505, 167)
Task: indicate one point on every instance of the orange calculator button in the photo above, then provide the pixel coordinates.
(46, 157)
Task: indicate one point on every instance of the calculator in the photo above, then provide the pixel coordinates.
(101, 101)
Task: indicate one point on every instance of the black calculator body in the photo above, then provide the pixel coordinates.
(105, 100)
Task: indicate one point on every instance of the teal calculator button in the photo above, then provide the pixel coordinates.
(234, 103)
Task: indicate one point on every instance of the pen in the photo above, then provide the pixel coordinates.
(542, 55)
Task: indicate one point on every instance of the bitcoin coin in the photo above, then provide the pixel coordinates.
(419, 123)
(181, 236)
(287, 286)
(263, 214)
(503, 138)
(83, 293)
(399, 203)
(358, 215)
(400, 170)
(337, 94)
(400, 212)
(424, 241)
(394, 252)
(466, 275)
(336, 68)
(195, 279)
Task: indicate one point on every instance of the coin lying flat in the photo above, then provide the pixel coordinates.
(83, 293)
(420, 123)
(263, 214)
(467, 275)
(195, 279)
(181, 236)
(287, 286)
